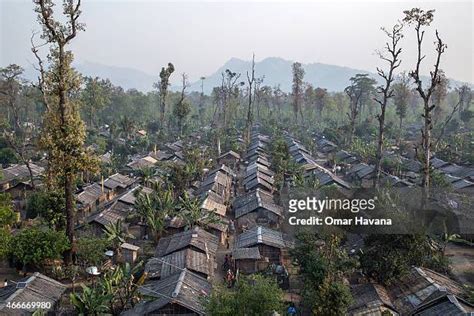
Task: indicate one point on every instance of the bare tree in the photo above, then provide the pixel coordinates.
(392, 57)
(421, 19)
(251, 81)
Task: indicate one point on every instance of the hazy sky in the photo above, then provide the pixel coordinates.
(199, 36)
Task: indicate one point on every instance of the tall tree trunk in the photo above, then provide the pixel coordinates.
(426, 140)
(69, 196)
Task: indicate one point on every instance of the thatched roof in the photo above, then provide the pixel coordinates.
(196, 238)
(183, 288)
(260, 235)
(246, 253)
(187, 258)
(118, 180)
(35, 288)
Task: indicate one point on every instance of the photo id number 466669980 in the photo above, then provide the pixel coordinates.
(28, 305)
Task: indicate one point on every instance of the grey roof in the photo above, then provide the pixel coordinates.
(20, 172)
(129, 197)
(368, 296)
(118, 180)
(230, 153)
(258, 174)
(258, 200)
(36, 288)
(187, 258)
(111, 215)
(197, 238)
(260, 235)
(437, 163)
(184, 288)
(445, 305)
(90, 194)
(411, 290)
(361, 170)
(246, 253)
(257, 182)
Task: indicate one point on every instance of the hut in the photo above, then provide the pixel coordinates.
(257, 208)
(35, 288)
(182, 293)
(370, 299)
(195, 261)
(195, 238)
(269, 243)
(246, 259)
(129, 252)
(230, 158)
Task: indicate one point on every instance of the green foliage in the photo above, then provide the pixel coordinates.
(8, 216)
(328, 298)
(117, 233)
(155, 208)
(253, 295)
(91, 301)
(90, 250)
(323, 265)
(388, 257)
(49, 205)
(8, 156)
(34, 245)
(192, 214)
(5, 239)
(120, 283)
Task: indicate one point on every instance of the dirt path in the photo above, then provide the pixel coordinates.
(462, 262)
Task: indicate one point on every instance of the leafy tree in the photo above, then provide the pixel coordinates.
(192, 214)
(183, 107)
(63, 131)
(297, 89)
(388, 257)
(155, 208)
(5, 240)
(323, 264)
(50, 205)
(8, 217)
(253, 295)
(34, 246)
(121, 284)
(90, 250)
(361, 87)
(401, 91)
(162, 86)
(91, 301)
(95, 96)
(117, 233)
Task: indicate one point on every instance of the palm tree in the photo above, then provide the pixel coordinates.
(155, 208)
(92, 301)
(146, 173)
(117, 234)
(127, 126)
(192, 213)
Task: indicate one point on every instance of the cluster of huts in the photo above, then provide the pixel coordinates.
(422, 291)
(259, 241)
(178, 276)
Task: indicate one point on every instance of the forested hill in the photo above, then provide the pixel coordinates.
(276, 71)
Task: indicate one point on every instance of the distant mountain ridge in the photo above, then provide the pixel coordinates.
(276, 71)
